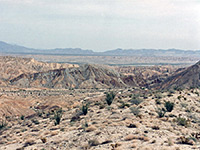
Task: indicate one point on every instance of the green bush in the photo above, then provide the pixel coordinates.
(110, 97)
(35, 121)
(85, 109)
(3, 124)
(169, 106)
(179, 97)
(22, 117)
(182, 122)
(58, 116)
(136, 101)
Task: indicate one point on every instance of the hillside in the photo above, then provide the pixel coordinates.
(85, 76)
(11, 67)
(79, 107)
(187, 78)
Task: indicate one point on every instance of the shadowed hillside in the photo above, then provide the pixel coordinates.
(187, 78)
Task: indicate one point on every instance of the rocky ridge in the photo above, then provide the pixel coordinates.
(84, 76)
(187, 78)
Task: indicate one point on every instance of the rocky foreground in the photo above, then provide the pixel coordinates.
(121, 119)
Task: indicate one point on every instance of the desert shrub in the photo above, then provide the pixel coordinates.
(110, 97)
(136, 101)
(3, 124)
(123, 105)
(35, 121)
(85, 108)
(169, 106)
(135, 111)
(161, 112)
(58, 116)
(158, 102)
(43, 139)
(179, 97)
(136, 95)
(22, 117)
(182, 122)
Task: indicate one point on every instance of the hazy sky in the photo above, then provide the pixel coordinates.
(101, 24)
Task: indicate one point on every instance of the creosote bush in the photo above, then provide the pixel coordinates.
(3, 124)
(110, 97)
(179, 97)
(136, 101)
(169, 106)
(58, 116)
(22, 117)
(85, 108)
(35, 121)
(182, 122)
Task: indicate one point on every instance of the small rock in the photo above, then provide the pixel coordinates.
(129, 137)
(90, 128)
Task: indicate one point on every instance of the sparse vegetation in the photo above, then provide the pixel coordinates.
(35, 121)
(85, 108)
(169, 106)
(43, 139)
(3, 124)
(110, 97)
(88, 120)
(135, 110)
(179, 97)
(58, 116)
(136, 101)
(183, 122)
(158, 102)
(161, 112)
(22, 117)
(123, 105)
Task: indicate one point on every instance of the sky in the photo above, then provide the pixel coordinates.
(101, 25)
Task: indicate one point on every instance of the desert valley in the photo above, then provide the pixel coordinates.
(50, 106)
(99, 75)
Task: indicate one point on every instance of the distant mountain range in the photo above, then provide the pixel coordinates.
(6, 48)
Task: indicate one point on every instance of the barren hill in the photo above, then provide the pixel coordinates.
(187, 78)
(85, 76)
(11, 67)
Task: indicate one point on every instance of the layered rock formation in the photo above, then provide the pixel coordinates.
(85, 76)
(187, 78)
